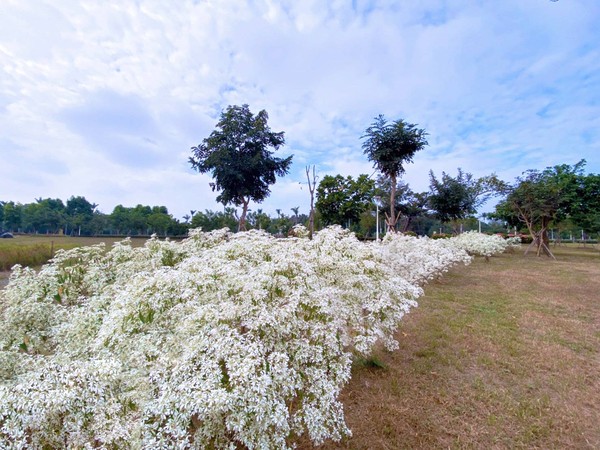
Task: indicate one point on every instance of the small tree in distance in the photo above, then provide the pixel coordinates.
(238, 157)
(456, 198)
(389, 146)
(312, 183)
(540, 198)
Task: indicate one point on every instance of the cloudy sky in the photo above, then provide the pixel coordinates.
(105, 98)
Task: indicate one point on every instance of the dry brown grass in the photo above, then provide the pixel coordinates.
(498, 355)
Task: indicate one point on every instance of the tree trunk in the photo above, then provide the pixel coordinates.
(392, 219)
(242, 221)
(407, 224)
(311, 187)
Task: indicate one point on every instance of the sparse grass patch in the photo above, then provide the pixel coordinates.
(504, 354)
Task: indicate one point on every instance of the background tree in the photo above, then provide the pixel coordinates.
(409, 204)
(44, 216)
(159, 220)
(259, 219)
(390, 146)
(312, 183)
(296, 211)
(585, 211)
(342, 200)
(80, 213)
(215, 220)
(238, 157)
(539, 198)
(456, 198)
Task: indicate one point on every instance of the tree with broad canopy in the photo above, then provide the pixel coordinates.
(238, 157)
(341, 200)
(539, 198)
(456, 198)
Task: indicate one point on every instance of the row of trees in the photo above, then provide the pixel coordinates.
(560, 201)
(79, 217)
(351, 209)
(237, 155)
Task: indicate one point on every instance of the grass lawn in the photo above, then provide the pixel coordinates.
(35, 250)
(504, 354)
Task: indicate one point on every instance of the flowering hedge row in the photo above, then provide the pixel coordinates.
(480, 244)
(218, 341)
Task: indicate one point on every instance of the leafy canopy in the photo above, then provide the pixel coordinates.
(391, 145)
(237, 155)
(539, 197)
(586, 209)
(455, 198)
(340, 199)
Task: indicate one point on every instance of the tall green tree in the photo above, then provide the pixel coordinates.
(13, 215)
(237, 155)
(341, 200)
(44, 216)
(390, 145)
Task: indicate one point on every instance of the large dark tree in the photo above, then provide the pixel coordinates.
(80, 213)
(585, 211)
(237, 155)
(390, 145)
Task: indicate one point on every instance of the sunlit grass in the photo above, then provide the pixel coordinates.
(35, 250)
(504, 354)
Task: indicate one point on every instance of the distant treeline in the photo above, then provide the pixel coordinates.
(79, 217)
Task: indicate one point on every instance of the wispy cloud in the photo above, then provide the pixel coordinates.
(105, 99)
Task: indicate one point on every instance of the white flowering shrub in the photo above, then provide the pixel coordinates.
(419, 259)
(481, 244)
(220, 341)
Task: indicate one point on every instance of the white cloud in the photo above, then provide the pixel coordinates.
(105, 99)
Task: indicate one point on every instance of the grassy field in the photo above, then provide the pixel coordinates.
(498, 355)
(35, 250)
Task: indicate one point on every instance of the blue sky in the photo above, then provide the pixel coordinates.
(105, 98)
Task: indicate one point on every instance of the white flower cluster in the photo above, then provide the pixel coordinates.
(481, 244)
(421, 259)
(218, 341)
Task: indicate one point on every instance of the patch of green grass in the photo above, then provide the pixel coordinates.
(371, 362)
(36, 250)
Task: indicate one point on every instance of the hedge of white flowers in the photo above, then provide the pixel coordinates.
(481, 244)
(220, 341)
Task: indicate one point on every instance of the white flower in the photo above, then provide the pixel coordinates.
(219, 340)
